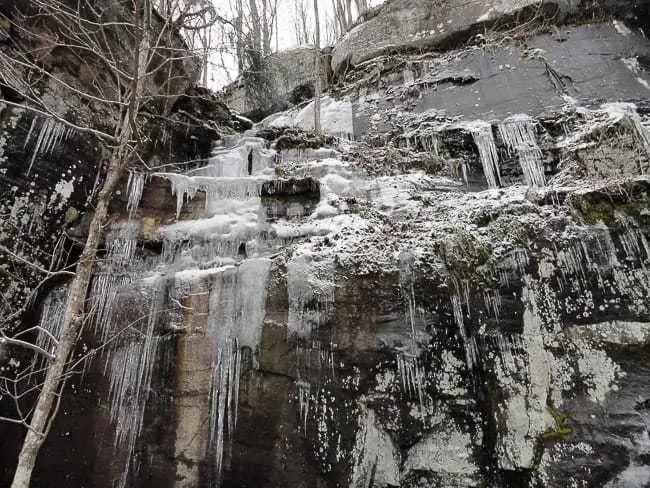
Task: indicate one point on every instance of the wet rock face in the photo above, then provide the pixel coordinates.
(412, 25)
(49, 177)
(459, 299)
(508, 77)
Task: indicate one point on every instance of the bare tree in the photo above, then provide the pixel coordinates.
(302, 23)
(145, 63)
(253, 26)
(342, 15)
(317, 70)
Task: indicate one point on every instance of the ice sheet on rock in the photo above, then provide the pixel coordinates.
(307, 154)
(233, 162)
(400, 195)
(241, 223)
(311, 295)
(448, 451)
(336, 117)
(519, 135)
(376, 461)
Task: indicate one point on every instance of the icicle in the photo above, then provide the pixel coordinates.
(487, 150)
(134, 188)
(303, 402)
(122, 241)
(518, 134)
(50, 322)
(130, 367)
(50, 135)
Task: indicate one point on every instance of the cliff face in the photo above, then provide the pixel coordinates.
(50, 171)
(456, 295)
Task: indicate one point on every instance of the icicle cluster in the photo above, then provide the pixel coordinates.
(134, 188)
(215, 188)
(413, 377)
(471, 348)
(49, 325)
(130, 367)
(122, 241)
(50, 134)
(518, 134)
(487, 150)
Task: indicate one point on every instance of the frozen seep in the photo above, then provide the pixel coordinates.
(311, 296)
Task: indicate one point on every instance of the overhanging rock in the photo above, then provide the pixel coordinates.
(416, 24)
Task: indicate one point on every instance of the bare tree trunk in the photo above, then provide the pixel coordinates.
(240, 43)
(317, 71)
(256, 28)
(362, 6)
(342, 15)
(72, 322)
(277, 40)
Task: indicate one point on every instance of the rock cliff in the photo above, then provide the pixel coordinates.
(451, 288)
